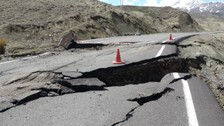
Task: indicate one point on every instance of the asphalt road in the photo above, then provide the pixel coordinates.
(176, 100)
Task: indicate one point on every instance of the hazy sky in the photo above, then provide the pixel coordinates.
(152, 2)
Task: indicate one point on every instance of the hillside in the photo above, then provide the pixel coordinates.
(164, 19)
(209, 22)
(210, 16)
(34, 26)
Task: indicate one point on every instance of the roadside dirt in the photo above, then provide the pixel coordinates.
(210, 47)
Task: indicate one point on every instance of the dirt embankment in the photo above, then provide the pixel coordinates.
(210, 47)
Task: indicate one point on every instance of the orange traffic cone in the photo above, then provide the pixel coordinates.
(118, 58)
(171, 37)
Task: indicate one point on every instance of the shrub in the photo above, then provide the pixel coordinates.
(3, 43)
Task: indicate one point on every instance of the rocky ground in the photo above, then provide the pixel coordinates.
(210, 48)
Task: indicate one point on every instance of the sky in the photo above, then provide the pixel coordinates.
(154, 2)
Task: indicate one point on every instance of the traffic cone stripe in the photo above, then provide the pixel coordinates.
(171, 37)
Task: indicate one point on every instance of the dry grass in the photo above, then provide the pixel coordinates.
(3, 43)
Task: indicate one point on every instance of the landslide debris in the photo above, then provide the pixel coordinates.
(37, 26)
(210, 47)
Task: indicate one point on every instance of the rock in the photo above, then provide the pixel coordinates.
(68, 41)
(221, 87)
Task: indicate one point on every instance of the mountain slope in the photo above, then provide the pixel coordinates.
(185, 4)
(210, 16)
(166, 17)
(212, 7)
(39, 25)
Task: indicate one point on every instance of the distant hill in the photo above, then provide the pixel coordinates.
(164, 19)
(39, 24)
(212, 8)
(209, 15)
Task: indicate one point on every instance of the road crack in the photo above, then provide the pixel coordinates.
(52, 83)
(127, 117)
(186, 77)
(141, 101)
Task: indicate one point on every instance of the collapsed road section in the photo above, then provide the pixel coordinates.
(50, 83)
(53, 83)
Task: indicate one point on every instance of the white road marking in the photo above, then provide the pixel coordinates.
(164, 41)
(45, 54)
(8, 62)
(60, 42)
(191, 113)
(27, 58)
(160, 51)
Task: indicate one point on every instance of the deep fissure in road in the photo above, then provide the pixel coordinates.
(136, 73)
(145, 71)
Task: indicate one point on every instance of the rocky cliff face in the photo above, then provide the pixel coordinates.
(31, 24)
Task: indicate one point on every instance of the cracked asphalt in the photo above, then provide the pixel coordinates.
(99, 93)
